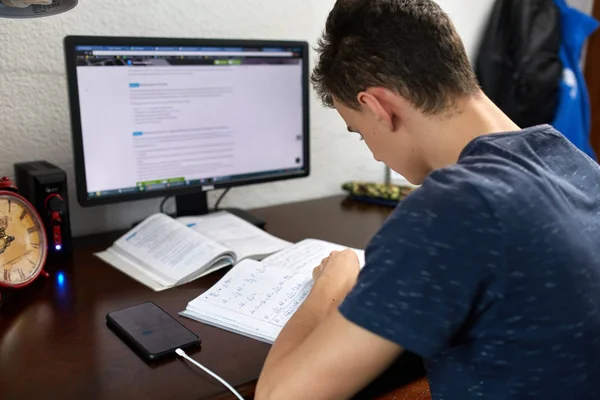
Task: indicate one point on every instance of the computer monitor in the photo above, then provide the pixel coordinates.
(178, 117)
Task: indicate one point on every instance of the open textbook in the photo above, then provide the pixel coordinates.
(162, 252)
(256, 299)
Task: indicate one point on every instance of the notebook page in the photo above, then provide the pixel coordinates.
(232, 323)
(306, 255)
(257, 299)
(252, 299)
(245, 239)
(168, 248)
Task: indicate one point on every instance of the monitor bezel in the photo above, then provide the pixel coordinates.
(70, 44)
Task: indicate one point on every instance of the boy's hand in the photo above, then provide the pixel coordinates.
(339, 269)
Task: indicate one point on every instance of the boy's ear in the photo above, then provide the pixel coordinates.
(378, 102)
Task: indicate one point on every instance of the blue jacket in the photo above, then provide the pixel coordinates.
(573, 113)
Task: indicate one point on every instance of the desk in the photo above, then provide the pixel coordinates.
(54, 342)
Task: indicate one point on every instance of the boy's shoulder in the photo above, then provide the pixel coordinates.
(448, 213)
(506, 187)
(448, 191)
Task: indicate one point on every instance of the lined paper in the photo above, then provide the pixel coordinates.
(256, 299)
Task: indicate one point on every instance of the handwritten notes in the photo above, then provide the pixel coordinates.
(257, 299)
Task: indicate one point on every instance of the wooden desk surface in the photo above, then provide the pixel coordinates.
(54, 342)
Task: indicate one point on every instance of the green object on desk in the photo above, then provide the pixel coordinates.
(378, 193)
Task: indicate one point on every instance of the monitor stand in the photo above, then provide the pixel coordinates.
(197, 204)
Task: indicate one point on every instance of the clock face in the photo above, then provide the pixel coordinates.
(22, 242)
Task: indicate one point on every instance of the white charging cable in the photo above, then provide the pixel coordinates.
(182, 353)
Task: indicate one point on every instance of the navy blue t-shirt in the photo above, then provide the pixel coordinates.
(491, 272)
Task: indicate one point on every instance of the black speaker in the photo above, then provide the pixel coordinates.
(45, 186)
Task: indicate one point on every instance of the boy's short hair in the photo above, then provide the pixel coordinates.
(408, 46)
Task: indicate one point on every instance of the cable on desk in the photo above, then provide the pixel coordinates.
(221, 198)
(162, 204)
(182, 353)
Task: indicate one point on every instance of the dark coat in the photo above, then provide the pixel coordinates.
(518, 65)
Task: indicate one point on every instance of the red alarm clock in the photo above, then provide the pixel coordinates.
(23, 242)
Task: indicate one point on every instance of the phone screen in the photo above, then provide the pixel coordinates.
(151, 330)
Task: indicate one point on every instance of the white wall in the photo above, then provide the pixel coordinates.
(587, 7)
(583, 5)
(34, 119)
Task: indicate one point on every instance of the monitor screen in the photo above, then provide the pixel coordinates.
(156, 116)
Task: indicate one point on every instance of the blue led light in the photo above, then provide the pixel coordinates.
(60, 279)
(58, 247)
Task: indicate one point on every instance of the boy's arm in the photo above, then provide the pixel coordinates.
(320, 354)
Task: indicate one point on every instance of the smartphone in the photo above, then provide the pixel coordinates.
(150, 331)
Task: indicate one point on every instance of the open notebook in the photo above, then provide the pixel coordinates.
(256, 299)
(162, 252)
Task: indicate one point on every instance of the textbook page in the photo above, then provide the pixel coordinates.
(243, 238)
(168, 251)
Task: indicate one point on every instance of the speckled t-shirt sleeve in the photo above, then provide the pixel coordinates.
(432, 268)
